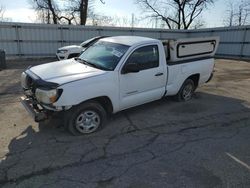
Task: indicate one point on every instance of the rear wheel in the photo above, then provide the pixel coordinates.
(187, 90)
(85, 118)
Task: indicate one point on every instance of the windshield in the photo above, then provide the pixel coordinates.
(104, 55)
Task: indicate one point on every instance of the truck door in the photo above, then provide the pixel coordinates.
(142, 77)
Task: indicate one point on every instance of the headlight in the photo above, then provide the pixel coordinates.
(47, 96)
(62, 51)
(24, 80)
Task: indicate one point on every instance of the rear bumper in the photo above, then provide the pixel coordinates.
(36, 113)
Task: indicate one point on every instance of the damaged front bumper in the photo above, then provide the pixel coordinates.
(38, 114)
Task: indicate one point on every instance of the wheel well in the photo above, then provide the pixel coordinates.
(105, 102)
(195, 78)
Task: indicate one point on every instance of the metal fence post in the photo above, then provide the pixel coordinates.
(19, 50)
(2, 59)
(61, 35)
(160, 32)
(243, 43)
(99, 31)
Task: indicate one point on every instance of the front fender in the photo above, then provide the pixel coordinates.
(79, 91)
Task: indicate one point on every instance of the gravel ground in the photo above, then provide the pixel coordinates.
(201, 143)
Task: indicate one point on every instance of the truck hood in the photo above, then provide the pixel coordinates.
(61, 72)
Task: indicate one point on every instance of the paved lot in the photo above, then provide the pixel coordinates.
(201, 143)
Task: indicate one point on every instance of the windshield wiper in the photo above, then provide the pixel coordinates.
(79, 59)
(91, 64)
(83, 61)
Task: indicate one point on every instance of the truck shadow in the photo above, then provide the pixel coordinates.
(50, 149)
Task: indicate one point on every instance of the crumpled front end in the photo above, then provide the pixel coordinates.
(30, 83)
(32, 107)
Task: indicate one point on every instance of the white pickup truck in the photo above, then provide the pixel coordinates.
(114, 74)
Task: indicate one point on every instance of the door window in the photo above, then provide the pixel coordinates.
(146, 57)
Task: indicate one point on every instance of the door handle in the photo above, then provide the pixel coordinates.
(159, 74)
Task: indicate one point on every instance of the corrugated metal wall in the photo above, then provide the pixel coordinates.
(234, 41)
(24, 39)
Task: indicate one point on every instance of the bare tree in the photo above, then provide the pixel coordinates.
(68, 14)
(119, 21)
(81, 8)
(2, 17)
(68, 18)
(99, 20)
(178, 14)
(47, 10)
(242, 16)
(63, 11)
(238, 13)
(228, 21)
(198, 23)
(1, 13)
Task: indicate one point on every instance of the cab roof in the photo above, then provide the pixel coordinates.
(128, 40)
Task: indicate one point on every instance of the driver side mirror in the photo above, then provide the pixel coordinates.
(130, 68)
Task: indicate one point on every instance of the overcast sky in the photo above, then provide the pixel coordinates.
(21, 11)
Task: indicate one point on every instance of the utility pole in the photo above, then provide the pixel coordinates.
(133, 20)
(156, 22)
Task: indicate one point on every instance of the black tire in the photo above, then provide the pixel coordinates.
(74, 114)
(187, 87)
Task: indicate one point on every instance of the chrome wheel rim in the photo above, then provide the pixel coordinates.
(187, 92)
(87, 121)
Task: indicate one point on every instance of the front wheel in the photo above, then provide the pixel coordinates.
(187, 90)
(85, 118)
